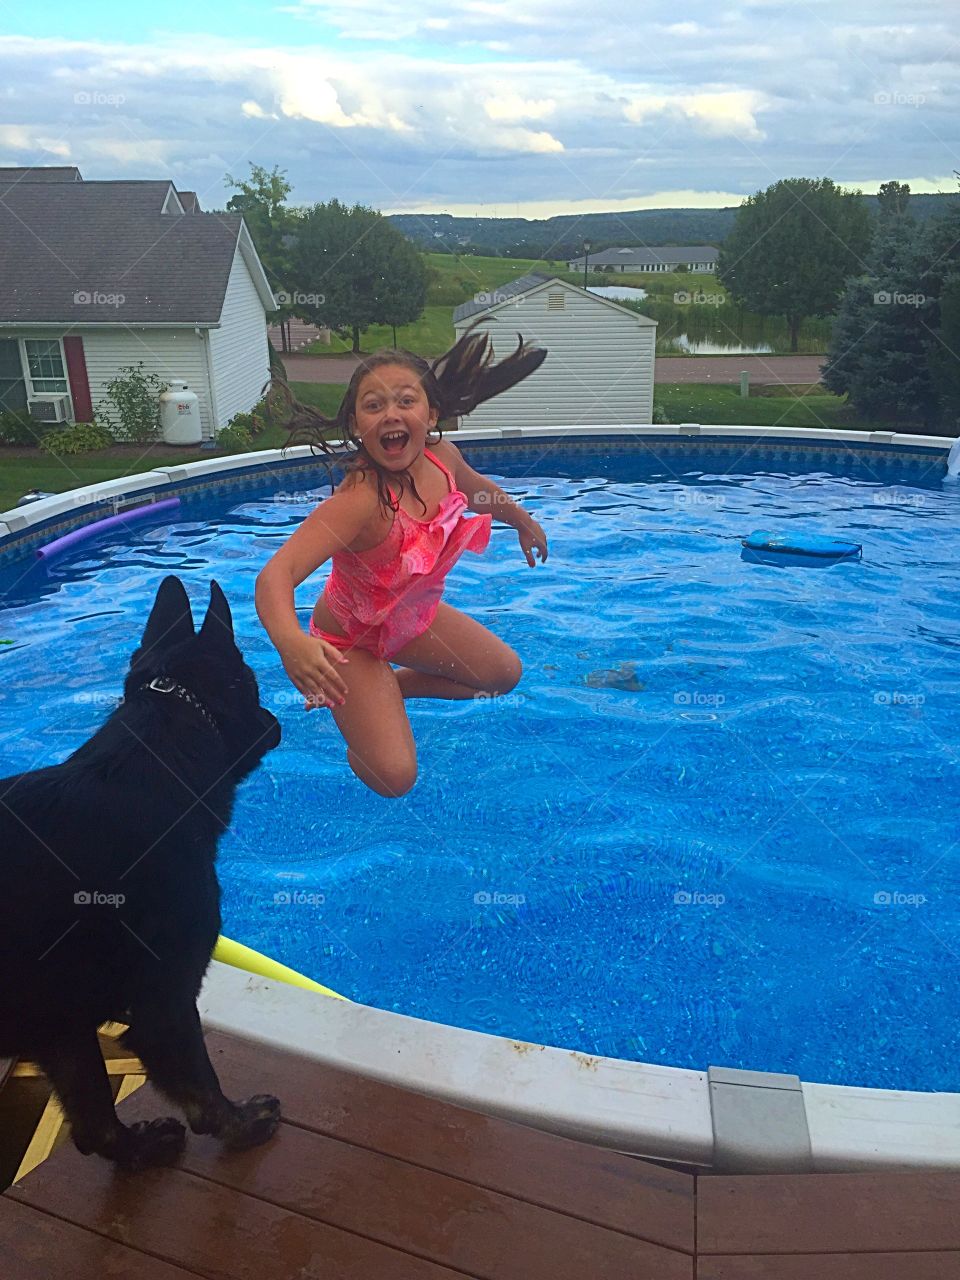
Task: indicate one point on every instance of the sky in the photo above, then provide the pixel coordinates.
(487, 107)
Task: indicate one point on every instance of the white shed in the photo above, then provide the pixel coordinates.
(599, 370)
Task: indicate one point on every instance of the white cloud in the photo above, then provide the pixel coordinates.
(551, 208)
(730, 111)
(255, 111)
(525, 140)
(517, 101)
(510, 106)
(20, 137)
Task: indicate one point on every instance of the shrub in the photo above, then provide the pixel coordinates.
(131, 407)
(660, 417)
(251, 424)
(235, 438)
(19, 428)
(82, 437)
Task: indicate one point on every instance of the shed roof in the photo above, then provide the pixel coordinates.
(532, 283)
(502, 293)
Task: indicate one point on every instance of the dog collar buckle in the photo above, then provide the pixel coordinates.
(162, 684)
(166, 684)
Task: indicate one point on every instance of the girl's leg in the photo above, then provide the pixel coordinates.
(456, 658)
(380, 746)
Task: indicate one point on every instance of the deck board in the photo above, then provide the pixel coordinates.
(602, 1187)
(829, 1213)
(36, 1246)
(833, 1266)
(367, 1181)
(212, 1230)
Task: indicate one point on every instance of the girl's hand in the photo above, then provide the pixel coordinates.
(533, 538)
(311, 664)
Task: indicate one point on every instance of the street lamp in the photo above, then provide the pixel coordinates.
(586, 259)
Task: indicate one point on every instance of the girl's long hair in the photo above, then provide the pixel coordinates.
(454, 383)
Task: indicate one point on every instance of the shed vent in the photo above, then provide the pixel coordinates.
(555, 300)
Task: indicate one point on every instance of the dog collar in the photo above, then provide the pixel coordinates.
(166, 684)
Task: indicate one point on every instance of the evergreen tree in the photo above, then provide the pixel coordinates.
(791, 248)
(880, 345)
(945, 355)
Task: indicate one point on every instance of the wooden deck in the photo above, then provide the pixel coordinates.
(369, 1182)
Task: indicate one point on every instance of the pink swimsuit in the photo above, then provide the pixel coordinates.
(385, 597)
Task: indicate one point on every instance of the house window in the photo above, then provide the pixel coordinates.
(45, 366)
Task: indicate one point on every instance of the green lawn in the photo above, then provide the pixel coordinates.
(458, 279)
(706, 403)
(714, 404)
(22, 470)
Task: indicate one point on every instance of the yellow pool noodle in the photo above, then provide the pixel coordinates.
(241, 957)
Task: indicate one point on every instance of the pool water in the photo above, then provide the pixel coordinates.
(715, 823)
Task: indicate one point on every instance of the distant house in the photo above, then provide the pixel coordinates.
(599, 370)
(97, 275)
(697, 257)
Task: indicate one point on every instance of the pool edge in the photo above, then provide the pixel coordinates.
(24, 528)
(642, 1109)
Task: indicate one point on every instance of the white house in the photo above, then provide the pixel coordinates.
(599, 370)
(97, 275)
(696, 257)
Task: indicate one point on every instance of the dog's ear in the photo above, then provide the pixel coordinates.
(170, 621)
(218, 624)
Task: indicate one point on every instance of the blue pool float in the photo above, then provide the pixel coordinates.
(764, 547)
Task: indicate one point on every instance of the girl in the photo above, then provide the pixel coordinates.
(393, 528)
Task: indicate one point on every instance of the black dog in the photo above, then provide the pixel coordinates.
(109, 901)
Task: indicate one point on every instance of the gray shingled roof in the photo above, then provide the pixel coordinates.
(48, 173)
(60, 239)
(484, 301)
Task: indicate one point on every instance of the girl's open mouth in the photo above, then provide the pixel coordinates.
(394, 441)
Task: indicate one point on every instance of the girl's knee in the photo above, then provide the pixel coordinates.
(389, 778)
(509, 675)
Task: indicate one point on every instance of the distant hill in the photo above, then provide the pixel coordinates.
(563, 236)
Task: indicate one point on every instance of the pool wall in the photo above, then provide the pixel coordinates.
(713, 1119)
(24, 529)
(720, 1119)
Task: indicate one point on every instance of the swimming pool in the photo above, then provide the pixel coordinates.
(715, 821)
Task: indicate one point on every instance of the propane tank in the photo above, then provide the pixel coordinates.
(180, 414)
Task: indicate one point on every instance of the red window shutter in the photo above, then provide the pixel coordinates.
(79, 383)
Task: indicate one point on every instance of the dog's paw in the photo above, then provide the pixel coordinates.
(151, 1142)
(251, 1122)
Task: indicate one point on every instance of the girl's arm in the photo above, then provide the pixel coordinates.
(485, 497)
(330, 527)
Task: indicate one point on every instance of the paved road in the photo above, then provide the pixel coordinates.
(762, 369)
(670, 369)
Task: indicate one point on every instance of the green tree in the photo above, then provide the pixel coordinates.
(270, 222)
(343, 261)
(945, 356)
(893, 198)
(880, 345)
(404, 293)
(792, 247)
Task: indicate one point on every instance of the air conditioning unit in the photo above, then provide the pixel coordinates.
(50, 408)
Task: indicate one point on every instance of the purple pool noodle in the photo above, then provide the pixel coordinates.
(98, 526)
